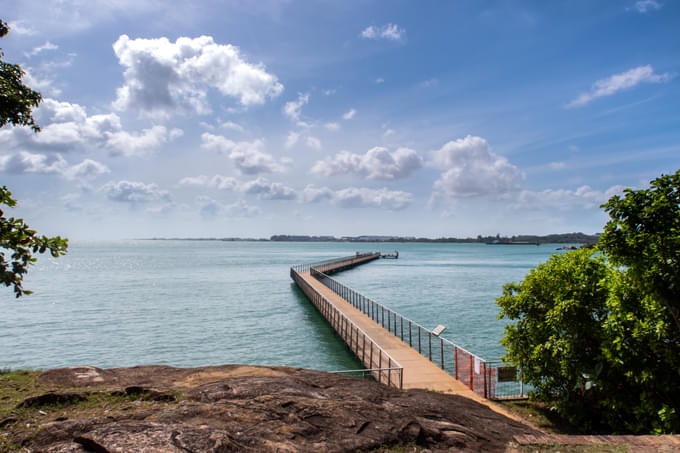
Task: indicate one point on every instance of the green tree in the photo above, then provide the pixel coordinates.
(596, 333)
(16, 99)
(18, 242)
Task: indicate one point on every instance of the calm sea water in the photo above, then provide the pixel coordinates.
(191, 303)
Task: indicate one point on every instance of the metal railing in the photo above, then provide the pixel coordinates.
(379, 364)
(331, 265)
(489, 379)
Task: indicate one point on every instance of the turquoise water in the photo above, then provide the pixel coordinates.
(191, 303)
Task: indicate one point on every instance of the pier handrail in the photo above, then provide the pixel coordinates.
(355, 337)
(331, 261)
(479, 374)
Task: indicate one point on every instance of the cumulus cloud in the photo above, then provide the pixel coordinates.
(25, 162)
(36, 50)
(217, 182)
(313, 194)
(135, 192)
(332, 126)
(66, 127)
(619, 82)
(127, 144)
(558, 165)
(359, 197)
(162, 76)
(313, 143)
(584, 197)
(472, 169)
(377, 163)
(248, 157)
(266, 190)
(232, 126)
(644, 6)
(292, 139)
(391, 32)
(349, 115)
(293, 109)
(210, 208)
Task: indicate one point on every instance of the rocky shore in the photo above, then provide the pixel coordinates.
(237, 408)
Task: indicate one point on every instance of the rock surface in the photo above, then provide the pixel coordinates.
(262, 409)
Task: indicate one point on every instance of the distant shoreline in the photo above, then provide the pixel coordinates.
(562, 238)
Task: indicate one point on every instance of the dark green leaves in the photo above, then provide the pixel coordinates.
(18, 244)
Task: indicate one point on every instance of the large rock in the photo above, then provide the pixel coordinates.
(244, 408)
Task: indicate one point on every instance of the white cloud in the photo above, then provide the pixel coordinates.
(391, 32)
(293, 109)
(161, 76)
(332, 126)
(355, 197)
(388, 132)
(558, 165)
(619, 82)
(66, 127)
(210, 208)
(87, 169)
(647, 5)
(127, 144)
(312, 194)
(241, 209)
(359, 197)
(232, 126)
(36, 50)
(20, 28)
(25, 162)
(45, 85)
(329, 92)
(349, 115)
(134, 192)
(269, 190)
(292, 139)
(313, 143)
(583, 197)
(248, 157)
(377, 163)
(217, 181)
(379, 80)
(472, 169)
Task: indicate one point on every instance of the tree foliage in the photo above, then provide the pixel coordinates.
(16, 99)
(596, 332)
(18, 242)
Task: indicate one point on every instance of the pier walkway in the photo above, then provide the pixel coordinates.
(391, 360)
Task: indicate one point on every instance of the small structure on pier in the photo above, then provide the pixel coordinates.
(394, 255)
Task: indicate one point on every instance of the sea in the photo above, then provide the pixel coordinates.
(194, 303)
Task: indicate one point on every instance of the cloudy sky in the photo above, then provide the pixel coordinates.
(253, 118)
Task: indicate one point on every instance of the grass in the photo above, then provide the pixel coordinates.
(23, 422)
(540, 415)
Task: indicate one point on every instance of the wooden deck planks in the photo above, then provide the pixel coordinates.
(419, 372)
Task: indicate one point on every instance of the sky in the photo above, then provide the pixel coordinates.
(239, 118)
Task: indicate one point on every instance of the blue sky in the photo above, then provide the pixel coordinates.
(239, 118)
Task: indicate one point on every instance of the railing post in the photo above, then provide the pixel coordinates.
(419, 349)
(410, 336)
(429, 340)
(389, 371)
(380, 365)
(442, 351)
(455, 361)
(486, 392)
(472, 373)
(402, 327)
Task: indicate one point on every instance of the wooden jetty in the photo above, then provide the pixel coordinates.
(389, 359)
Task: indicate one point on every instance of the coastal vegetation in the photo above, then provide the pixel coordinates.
(596, 332)
(18, 242)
